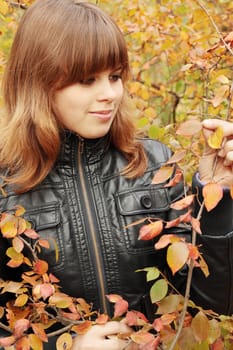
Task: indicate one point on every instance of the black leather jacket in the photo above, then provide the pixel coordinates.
(84, 205)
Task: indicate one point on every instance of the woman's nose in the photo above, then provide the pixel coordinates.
(106, 91)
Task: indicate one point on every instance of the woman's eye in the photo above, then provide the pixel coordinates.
(115, 77)
(87, 81)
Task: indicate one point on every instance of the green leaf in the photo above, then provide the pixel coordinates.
(159, 290)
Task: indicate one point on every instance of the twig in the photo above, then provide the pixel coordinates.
(188, 286)
(227, 46)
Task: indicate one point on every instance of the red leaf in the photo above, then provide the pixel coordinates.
(40, 267)
(150, 231)
(20, 327)
(120, 307)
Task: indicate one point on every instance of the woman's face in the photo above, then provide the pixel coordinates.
(89, 107)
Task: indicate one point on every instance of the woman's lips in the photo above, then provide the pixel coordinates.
(103, 114)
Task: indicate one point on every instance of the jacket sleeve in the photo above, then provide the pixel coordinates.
(214, 292)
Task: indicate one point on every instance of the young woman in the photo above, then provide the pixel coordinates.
(69, 155)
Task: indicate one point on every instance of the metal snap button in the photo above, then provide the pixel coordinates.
(146, 201)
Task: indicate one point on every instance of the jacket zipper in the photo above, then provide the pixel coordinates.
(91, 226)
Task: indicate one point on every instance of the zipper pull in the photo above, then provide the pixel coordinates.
(81, 146)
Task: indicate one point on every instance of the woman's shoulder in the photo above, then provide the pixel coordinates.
(156, 150)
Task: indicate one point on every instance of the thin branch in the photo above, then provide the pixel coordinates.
(188, 286)
(227, 46)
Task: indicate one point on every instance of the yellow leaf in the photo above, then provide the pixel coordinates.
(220, 95)
(200, 326)
(19, 210)
(64, 342)
(212, 194)
(35, 342)
(177, 255)
(21, 300)
(9, 229)
(216, 138)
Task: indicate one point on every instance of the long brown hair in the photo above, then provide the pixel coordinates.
(58, 42)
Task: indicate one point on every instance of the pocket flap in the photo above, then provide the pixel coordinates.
(44, 217)
(149, 200)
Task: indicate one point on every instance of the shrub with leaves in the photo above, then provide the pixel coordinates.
(36, 303)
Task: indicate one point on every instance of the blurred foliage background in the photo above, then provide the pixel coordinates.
(181, 59)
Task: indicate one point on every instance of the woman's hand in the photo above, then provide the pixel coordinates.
(217, 165)
(104, 337)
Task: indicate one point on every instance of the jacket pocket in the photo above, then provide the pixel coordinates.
(137, 204)
(46, 221)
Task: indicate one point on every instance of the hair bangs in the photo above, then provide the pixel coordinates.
(95, 44)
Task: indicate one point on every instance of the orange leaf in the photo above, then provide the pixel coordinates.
(22, 344)
(177, 256)
(113, 298)
(141, 337)
(183, 203)
(30, 233)
(102, 319)
(44, 243)
(151, 230)
(193, 251)
(40, 267)
(166, 240)
(212, 194)
(162, 175)
(82, 328)
(19, 210)
(196, 225)
(200, 326)
(39, 331)
(176, 157)
(189, 128)
(64, 342)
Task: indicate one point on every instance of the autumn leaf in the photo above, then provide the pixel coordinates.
(64, 342)
(19, 210)
(183, 203)
(212, 194)
(9, 229)
(7, 341)
(177, 256)
(102, 319)
(163, 174)
(40, 267)
(60, 300)
(216, 138)
(113, 298)
(200, 326)
(38, 329)
(189, 128)
(150, 231)
(220, 95)
(135, 318)
(165, 240)
(21, 300)
(35, 342)
(20, 327)
(82, 328)
(176, 157)
(141, 337)
(120, 307)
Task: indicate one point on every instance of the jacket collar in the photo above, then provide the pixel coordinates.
(92, 149)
